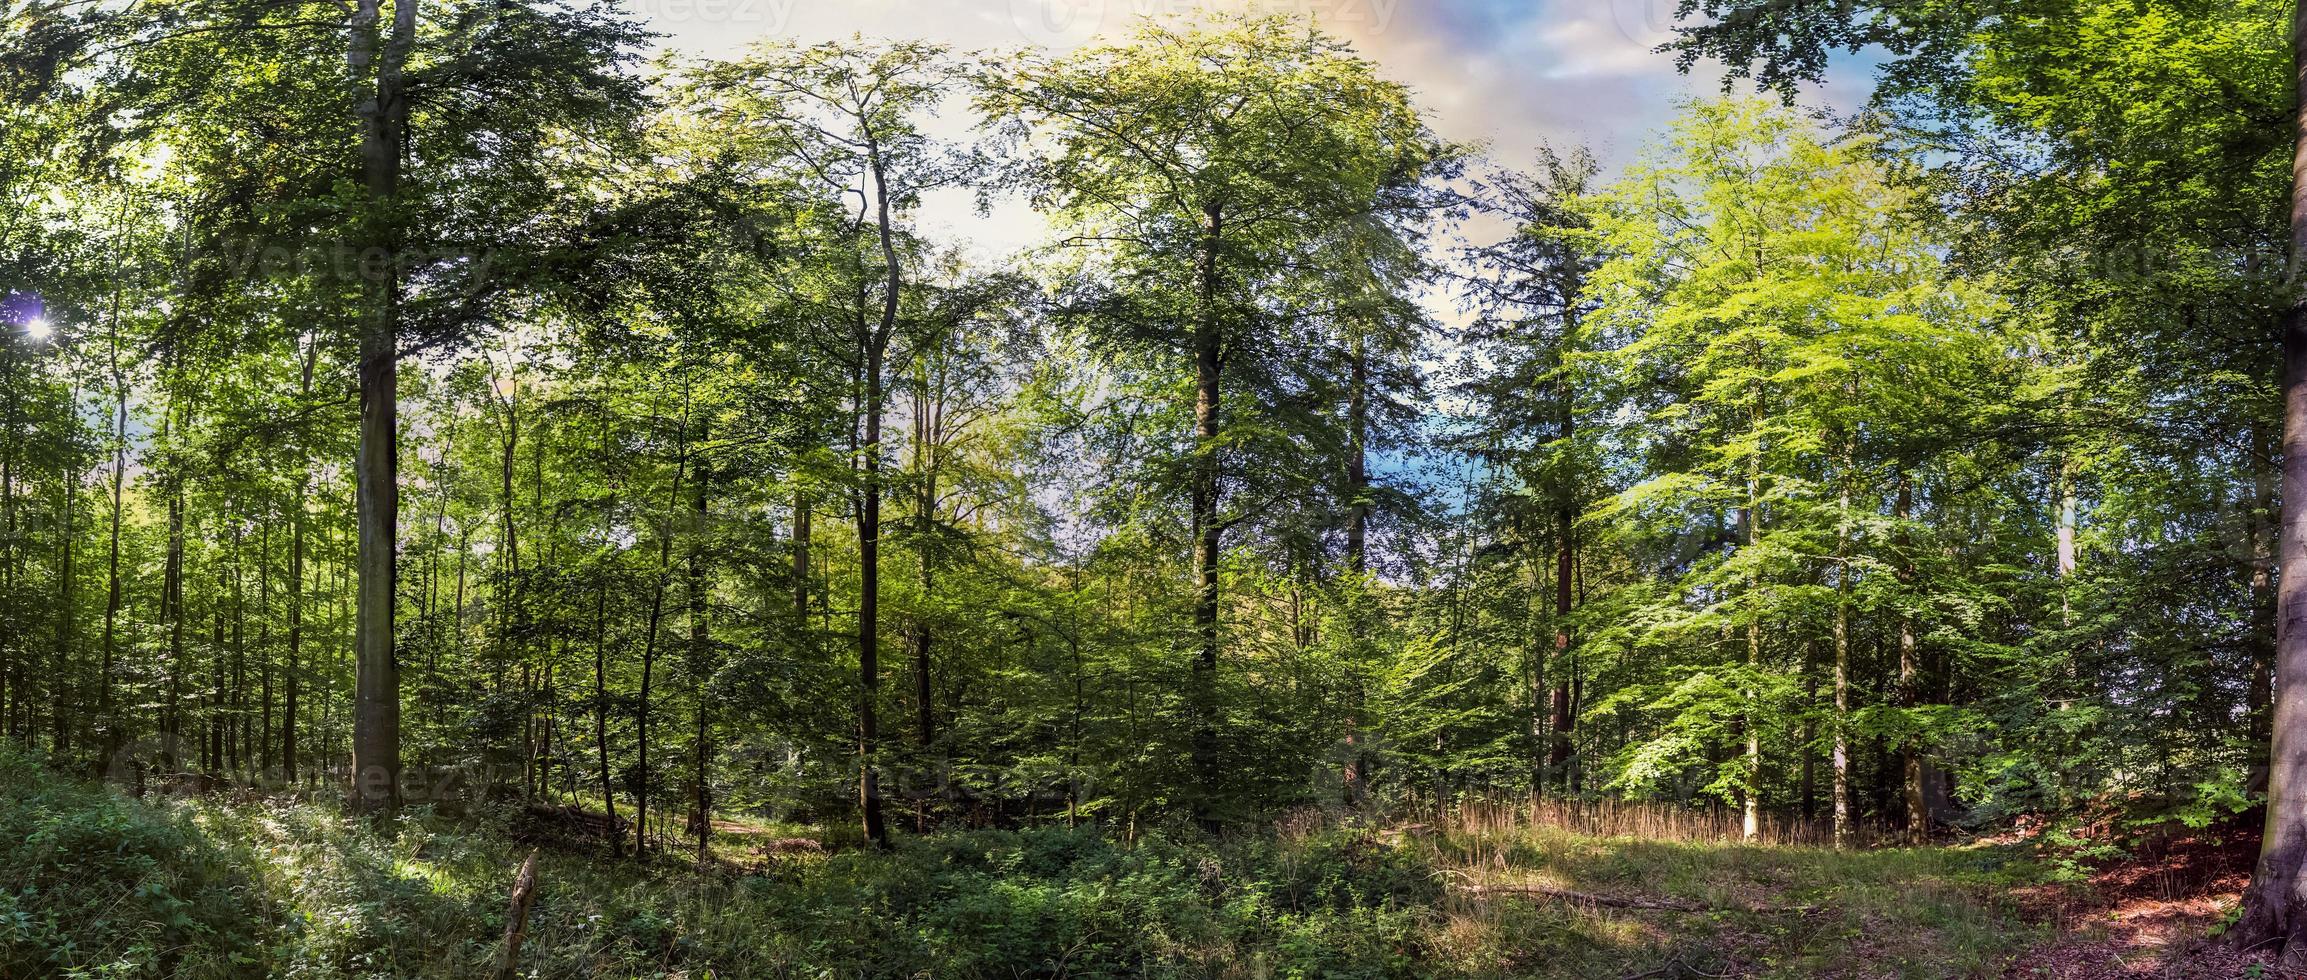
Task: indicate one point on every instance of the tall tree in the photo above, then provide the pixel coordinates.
(1195, 165)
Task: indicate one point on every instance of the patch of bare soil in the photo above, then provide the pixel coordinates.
(2151, 916)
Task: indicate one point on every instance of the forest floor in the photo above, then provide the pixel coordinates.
(236, 885)
(2152, 913)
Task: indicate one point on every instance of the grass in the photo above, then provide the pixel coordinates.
(101, 885)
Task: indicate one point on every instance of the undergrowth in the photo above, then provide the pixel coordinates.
(99, 885)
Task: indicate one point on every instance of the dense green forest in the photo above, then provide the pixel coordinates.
(453, 409)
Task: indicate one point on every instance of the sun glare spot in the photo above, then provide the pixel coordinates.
(38, 328)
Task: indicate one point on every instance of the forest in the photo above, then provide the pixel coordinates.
(458, 454)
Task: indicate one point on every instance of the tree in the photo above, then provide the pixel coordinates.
(1772, 303)
(849, 117)
(1530, 290)
(1195, 166)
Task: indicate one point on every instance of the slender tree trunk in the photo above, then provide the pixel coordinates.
(802, 507)
(1918, 817)
(926, 437)
(1752, 823)
(2259, 688)
(105, 714)
(1842, 809)
(2275, 906)
(263, 749)
(65, 606)
(601, 712)
(1809, 788)
(1358, 459)
(869, 515)
(1209, 347)
(383, 113)
(172, 602)
(701, 647)
(1559, 719)
(1357, 774)
(239, 717)
(2066, 543)
(291, 671)
(649, 640)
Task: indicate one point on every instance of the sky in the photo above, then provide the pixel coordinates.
(1506, 75)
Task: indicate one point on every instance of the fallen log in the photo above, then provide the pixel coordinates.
(517, 917)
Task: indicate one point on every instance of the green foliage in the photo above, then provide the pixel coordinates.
(211, 887)
(99, 885)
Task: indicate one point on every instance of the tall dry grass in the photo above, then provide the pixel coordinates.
(1605, 818)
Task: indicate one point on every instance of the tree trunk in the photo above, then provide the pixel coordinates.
(802, 506)
(2275, 906)
(172, 605)
(1358, 459)
(869, 517)
(65, 605)
(1209, 346)
(1558, 719)
(927, 435)
(295, 597)
(1357, 549)
(1752, 797)
(1918, 816)
(110, 725)
(2259, 688)
(701, 648)
(1842, 811)
(383, 115)
(649, 640)
(289, 671)
(601, 712)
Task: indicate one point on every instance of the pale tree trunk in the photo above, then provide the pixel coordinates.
(2275, 907)
(383, 115)
(1752, 822)
(1842, 836)
(2068, 509)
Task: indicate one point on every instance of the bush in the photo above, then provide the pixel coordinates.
(99, 885)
